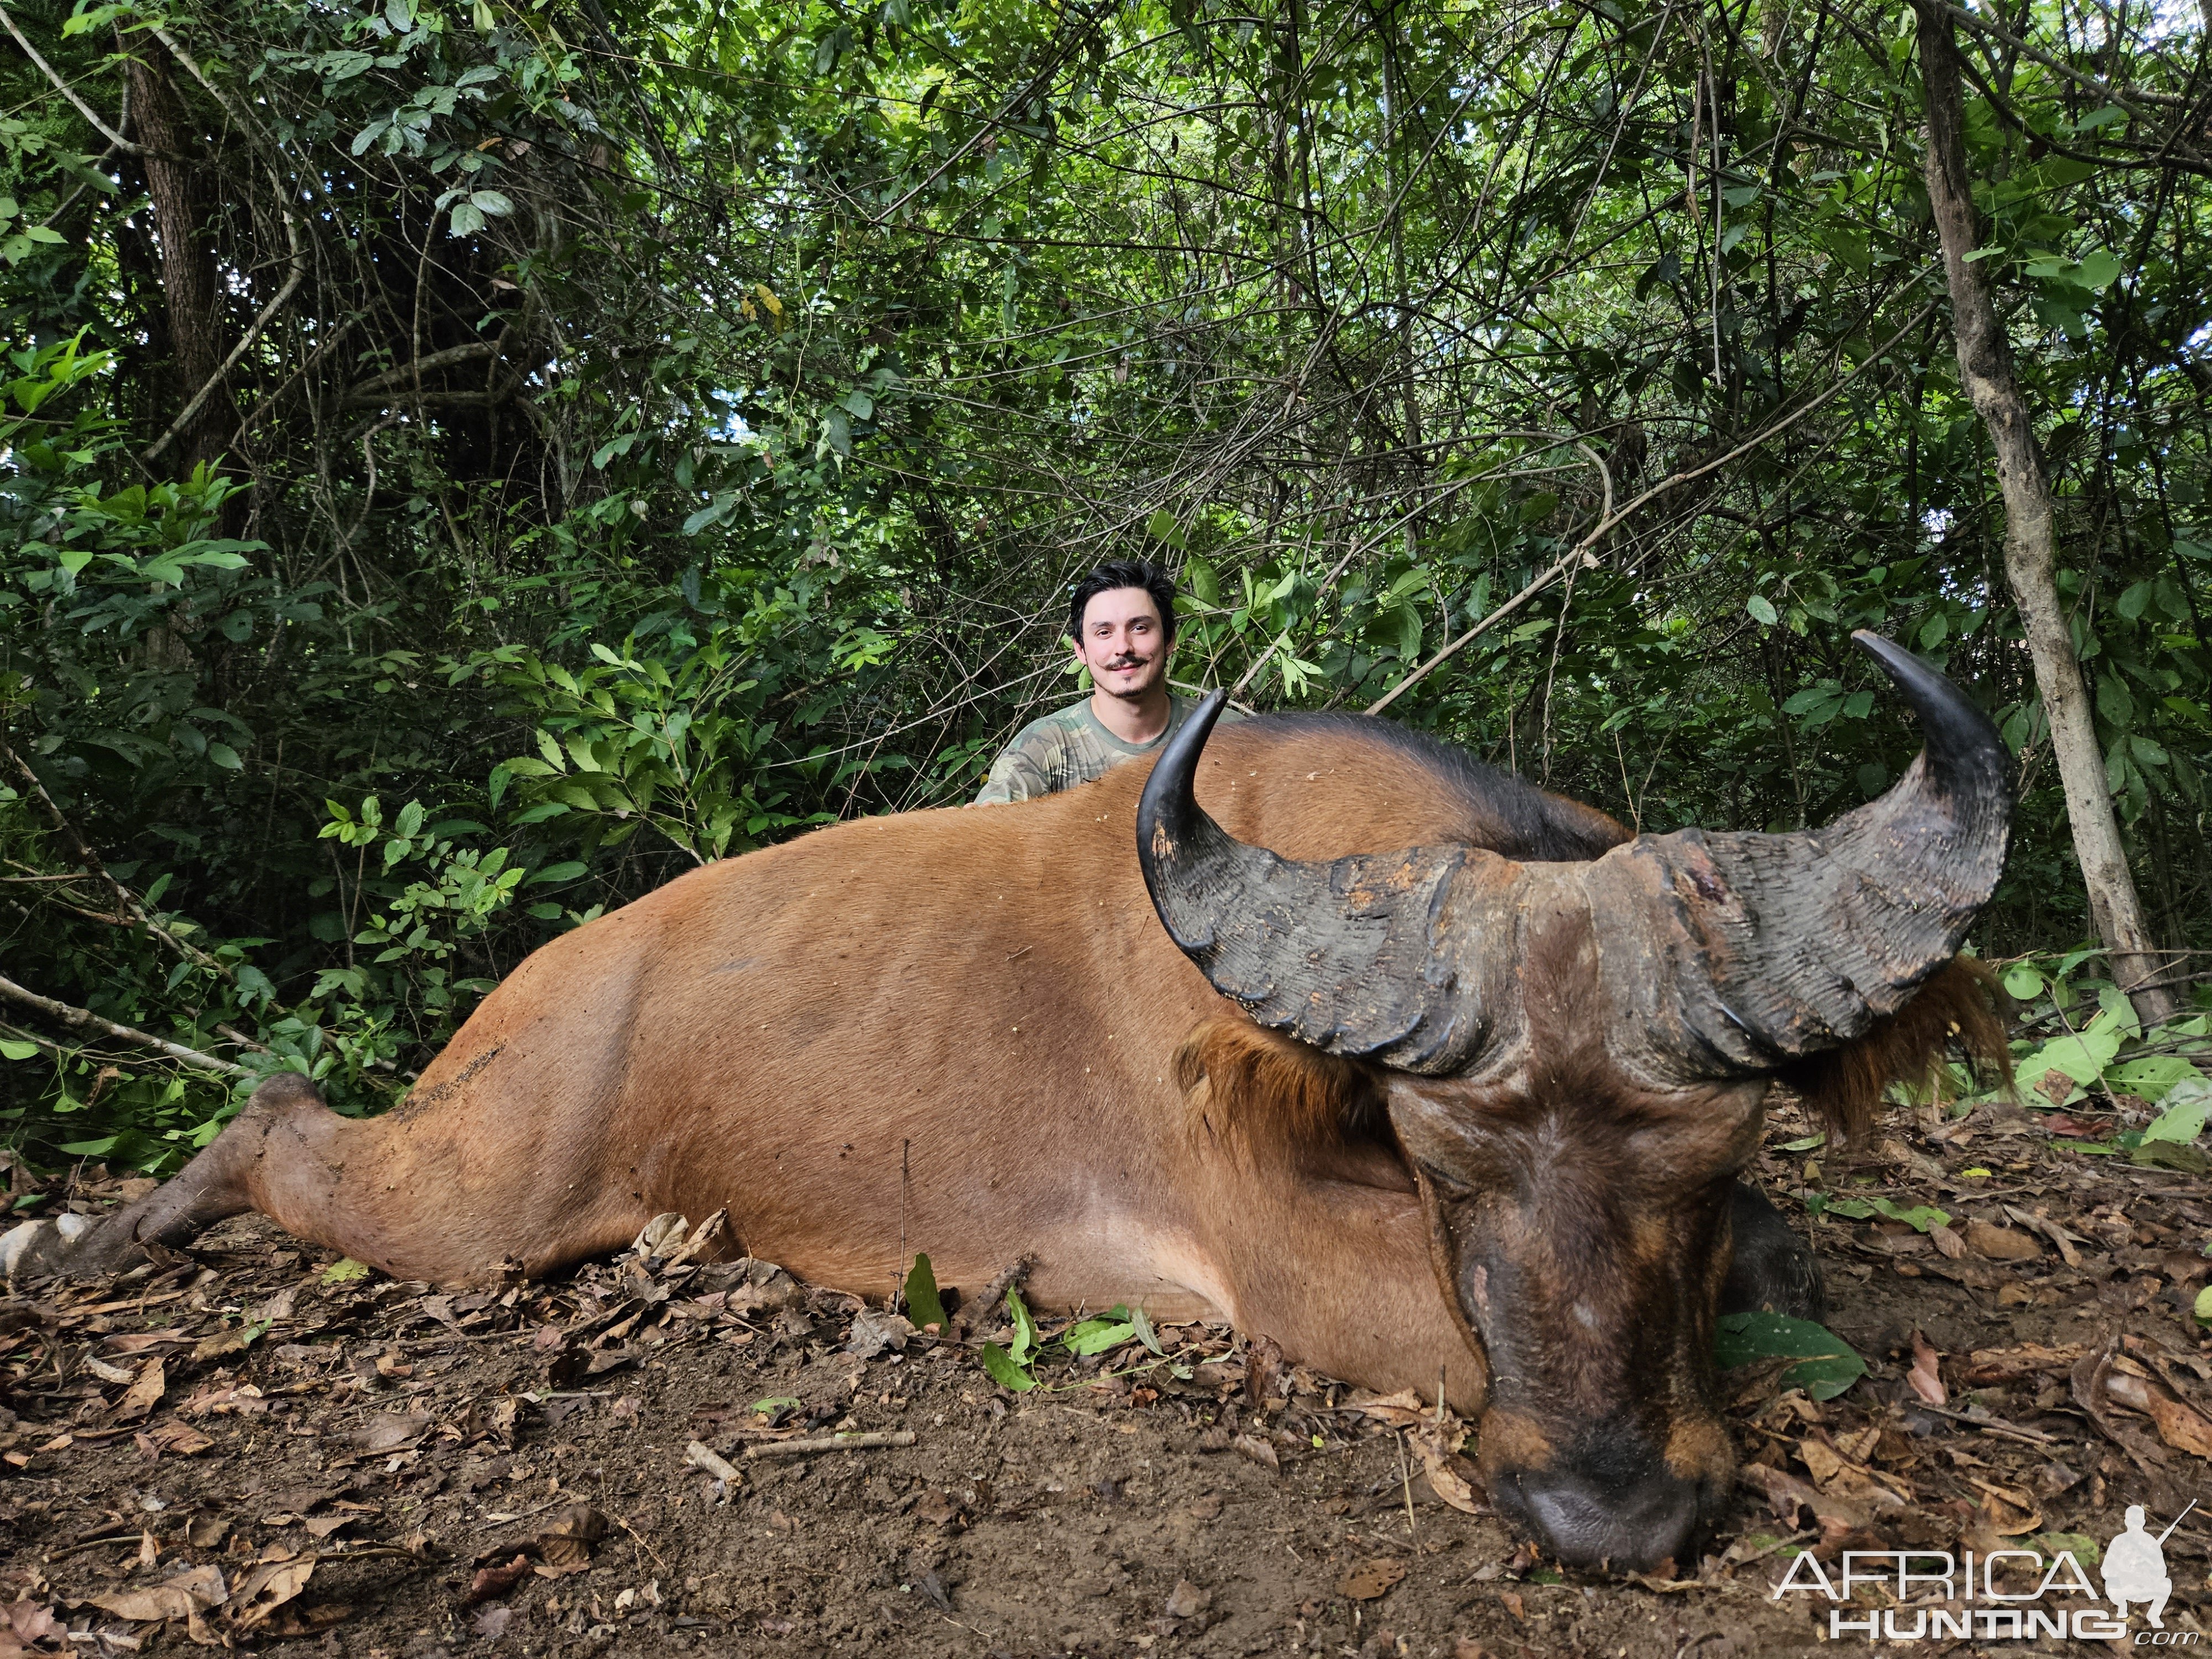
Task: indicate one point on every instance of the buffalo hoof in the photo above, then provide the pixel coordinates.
(1774, 1270)
(73, 1246)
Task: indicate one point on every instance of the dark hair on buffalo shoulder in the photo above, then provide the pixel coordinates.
(1124, 573)
(1961, 1008)
(1270, 1095)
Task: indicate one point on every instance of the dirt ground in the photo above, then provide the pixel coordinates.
(235, 1448)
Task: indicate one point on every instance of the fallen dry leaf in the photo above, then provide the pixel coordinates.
(1264, 1371)
(1822, 1459)
(177, 1439)
(1926, 1382)
(144, 1394)
(306, 1621)
(1258, 1450)
(2178, 1424)
(1947, 1241)
(1401, 1410)
(2006, 1517)
(32, 1621)
(187, 1594)
(1451, 1477)
(268, 1587)
(493, 1581)
(1372, 1579)
(390, 1432)
(1988, 1368)
(2001, 1244)
(565, 1548)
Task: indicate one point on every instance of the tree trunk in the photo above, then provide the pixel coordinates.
(189, 284)
(2030, 551)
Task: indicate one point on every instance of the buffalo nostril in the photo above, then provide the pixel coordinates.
(1628, 1529)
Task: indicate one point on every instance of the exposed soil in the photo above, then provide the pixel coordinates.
(228, 1448)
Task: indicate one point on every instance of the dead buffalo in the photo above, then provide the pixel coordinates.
(1475, 1108)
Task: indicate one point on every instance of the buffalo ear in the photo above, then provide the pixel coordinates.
(1963, 1007)
(1270, 1097)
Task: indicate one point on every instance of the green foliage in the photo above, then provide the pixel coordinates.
(1826, 1364)
(648, 432)
(922, 1305)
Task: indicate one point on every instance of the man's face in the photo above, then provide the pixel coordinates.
(1122, 643)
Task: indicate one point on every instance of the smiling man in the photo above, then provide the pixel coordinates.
(1122, 617)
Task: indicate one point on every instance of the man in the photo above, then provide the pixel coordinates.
(1122, 617)
(2135, 1569)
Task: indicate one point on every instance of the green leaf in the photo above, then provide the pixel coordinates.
(1025, 1330)
(2203, 1308)
(2022, 982)
(2184, 1118)
(774, 1403)
(12, 1049)
(1145, 1335)
(568, 872)
(1920, 1217)
(2082, 1058)
(225, 756)
(1161, 526)
(1003, 1370)
(1097, 1335)
(1762, 608)
(344, 1271)
(923, 1305)
(1827, 1364)
(2153, 1077)
(2098, 271)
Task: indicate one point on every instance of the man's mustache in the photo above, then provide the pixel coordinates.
(1127, 662)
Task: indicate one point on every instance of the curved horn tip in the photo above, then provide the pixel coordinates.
(1169, 804)
(1954, 725)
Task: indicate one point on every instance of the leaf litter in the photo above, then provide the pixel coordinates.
(240, 1445)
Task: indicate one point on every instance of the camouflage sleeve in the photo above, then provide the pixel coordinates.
(1015, 775)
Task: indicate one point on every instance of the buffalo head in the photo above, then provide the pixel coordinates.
(1574, 1057)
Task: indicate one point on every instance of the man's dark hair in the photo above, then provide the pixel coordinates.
(1124, 573)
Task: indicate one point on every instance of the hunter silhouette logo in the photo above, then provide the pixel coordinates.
(1932, 1593)
(2135, 1566)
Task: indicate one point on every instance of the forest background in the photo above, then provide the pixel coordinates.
(464, 465)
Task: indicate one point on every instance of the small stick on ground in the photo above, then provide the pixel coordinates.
(700, 1456)
(831, 1443)
(1406, 1476)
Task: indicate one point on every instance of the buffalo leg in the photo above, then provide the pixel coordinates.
(431, 1191)
(1774, 1270)
(218, 1183)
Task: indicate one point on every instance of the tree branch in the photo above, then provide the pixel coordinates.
(63, 86)
(91, 861)
(293, 278)
(84, 1019)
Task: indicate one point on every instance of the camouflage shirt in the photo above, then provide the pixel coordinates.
(1069, 746)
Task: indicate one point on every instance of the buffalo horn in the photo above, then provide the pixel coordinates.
(1780, 945)
(1355, 955)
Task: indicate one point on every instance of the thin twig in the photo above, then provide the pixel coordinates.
(294, 278)
(114, 138)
